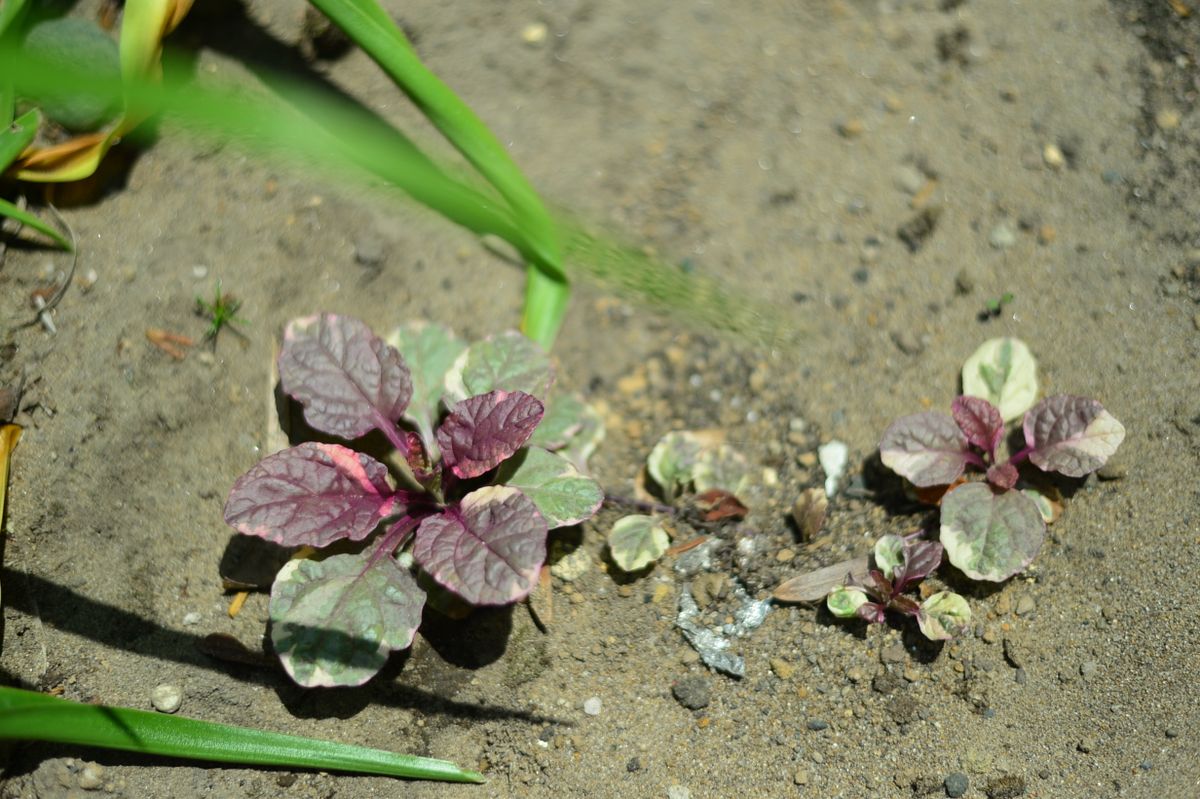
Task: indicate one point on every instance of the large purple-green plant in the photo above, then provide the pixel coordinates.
(476, 499)
(989, 528)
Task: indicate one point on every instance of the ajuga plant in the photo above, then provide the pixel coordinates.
(992, 523)
(901, 563)
(989, 527)
(477, 491)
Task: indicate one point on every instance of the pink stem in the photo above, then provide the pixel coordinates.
(1021, 456)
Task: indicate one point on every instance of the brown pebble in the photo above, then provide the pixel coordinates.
(1047, 234)
(851, 128)
(784, 555)
(1167, 119)
(783, 670)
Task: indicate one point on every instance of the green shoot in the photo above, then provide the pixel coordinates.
(220, 313)
(30, 716)
(15, 136)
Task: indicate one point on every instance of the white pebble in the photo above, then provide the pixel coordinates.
(678, 792)
(192, 618)
(166, 698)
(833, 457)
(592, 706)
(91, 776)
(199, 271)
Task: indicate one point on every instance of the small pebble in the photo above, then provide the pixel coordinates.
(634, 764)
(1046, 234)
(851, 128)
(956, 784)
(963, 282)
(800, 777)
(368, 251)
(166, 698)
(1113, 470)
(893, 654)
(1087, 744)
(693, 693)
(1171, 732)
(199, 271)
(592, 706)
(534, 33)
(1052, 154)
(784, 555)
(1002, 236)
(91, 776)
(192, 619)
(783, 670)
(1088, 669)
(1167, 119)
(1025, 605)
(816, 725)
(909, 179)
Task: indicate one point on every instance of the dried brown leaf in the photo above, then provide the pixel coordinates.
(809, 512)
(813, 586)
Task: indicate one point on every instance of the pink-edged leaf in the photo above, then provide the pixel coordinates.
(980, 421)
(348, 380)
(927, 449)
(488, 549)
(1071, 435)
(990, 536)
(312, 494)
(481, 432)
(1002, 475)
(335, 621)
(871, 612)
(920, 559)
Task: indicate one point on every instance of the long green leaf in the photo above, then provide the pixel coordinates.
(26, 715)
(548, 289)
(28, 219)
(18, 135)
(344, 146)
(11, 12)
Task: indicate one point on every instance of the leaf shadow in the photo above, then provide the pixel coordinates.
(70, 612)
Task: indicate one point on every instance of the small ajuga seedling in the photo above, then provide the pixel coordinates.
(990, 529)
(698, 464)
(476, 502)
(900, 564)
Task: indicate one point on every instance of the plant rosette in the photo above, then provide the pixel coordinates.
(476, 501)
(901, 563)
(990, 529)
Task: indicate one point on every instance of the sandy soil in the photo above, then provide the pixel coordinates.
(779, 147)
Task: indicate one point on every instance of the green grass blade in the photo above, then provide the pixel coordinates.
(29, 220)
(11, 12)
(369, 26)
(25, 715)
(17, 135)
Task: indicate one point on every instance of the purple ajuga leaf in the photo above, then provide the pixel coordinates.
(1071, 435)
(335, 621)
(488, 549)
(871, 612)
(481, 432)
(1003, 475)
(920, 559)
(312, 494)
(348, 380)
(927, 449)
(980, 421)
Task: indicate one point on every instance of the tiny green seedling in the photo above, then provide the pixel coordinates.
(994, 306)
(220, 313)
